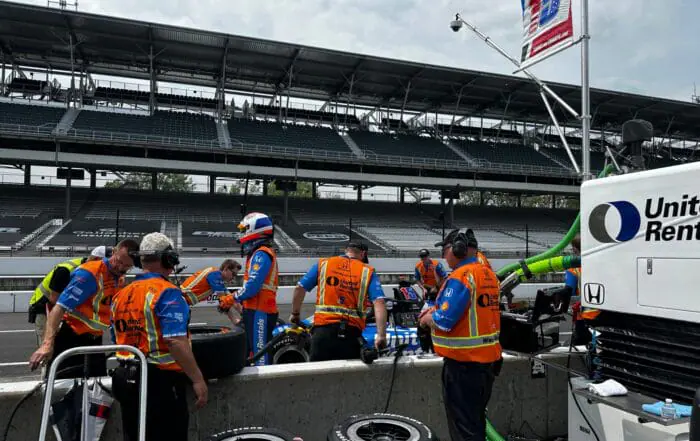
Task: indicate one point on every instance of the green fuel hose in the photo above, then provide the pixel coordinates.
(540, 264)
(556, 248)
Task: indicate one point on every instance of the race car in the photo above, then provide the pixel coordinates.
(291, 344)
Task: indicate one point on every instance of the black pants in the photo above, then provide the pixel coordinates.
(466, 390)
(326, 344)
(73, 367)
(167, 416)
(258, 328)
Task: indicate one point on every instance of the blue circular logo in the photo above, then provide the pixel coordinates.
(630, 222)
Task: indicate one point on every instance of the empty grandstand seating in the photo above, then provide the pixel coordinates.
(336, 212)
(306, 138)
(394, 124)
(597, 158)
(405, 239)
(92, 233)
(30, 115)
(14, 229)
(111, 94)
(28, 86)
(403, 145)
(478, 132)
(305, 115)
(210, 235)
(506, 154)
(332, 237)
(166, 124)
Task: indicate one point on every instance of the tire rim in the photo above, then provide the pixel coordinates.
(255, 437)
(382, 430)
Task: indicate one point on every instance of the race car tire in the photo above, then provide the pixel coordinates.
(366, 427)
(219, 351)
(252, 434)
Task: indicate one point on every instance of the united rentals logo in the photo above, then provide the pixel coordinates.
(594, 293)
(665, 220)
(630, 221)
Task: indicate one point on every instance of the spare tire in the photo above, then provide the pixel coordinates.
(252, 434)
(219, 351)
(384, 426)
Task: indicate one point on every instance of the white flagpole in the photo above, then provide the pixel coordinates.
(585, 94)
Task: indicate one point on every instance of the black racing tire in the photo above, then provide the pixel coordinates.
(252, 434)
(384, 426)
(220, 351)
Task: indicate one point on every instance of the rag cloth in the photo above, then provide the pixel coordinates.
(608, 388)
(681, 410)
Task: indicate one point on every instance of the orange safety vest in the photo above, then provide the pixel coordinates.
(136, 324)
(266, 300)
(196, 288)
(475, 336)
(92, 316)
(341, 294)
(482, 259)
(428, 276)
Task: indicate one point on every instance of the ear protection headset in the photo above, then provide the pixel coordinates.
(463, 239)
(169, 258)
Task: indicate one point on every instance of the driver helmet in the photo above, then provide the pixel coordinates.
(255, 229)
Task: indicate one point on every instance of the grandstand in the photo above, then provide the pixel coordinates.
(436, 140)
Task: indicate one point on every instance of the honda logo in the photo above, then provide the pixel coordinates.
(594, 293)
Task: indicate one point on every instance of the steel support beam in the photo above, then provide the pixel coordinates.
(152, 86)
(287, 73)
(403, 106)
(222, 84)
(454, 115)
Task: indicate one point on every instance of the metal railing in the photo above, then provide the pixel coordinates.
(480, 165)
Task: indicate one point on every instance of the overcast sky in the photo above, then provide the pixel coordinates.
(642, 46)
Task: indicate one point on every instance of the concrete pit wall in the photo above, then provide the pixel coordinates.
(308, 399)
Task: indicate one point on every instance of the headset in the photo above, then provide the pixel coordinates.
(169, 258)
(463, 239)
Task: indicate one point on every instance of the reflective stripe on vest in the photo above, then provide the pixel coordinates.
(328, 309)
(266, 299)
(428, 278)
(93, 321)
(44, 290)
(192, 289)
(145, 322)
(475, 336)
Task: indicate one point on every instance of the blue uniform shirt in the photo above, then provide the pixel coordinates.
(216, 282)
(456, 298)
(81, 286)
(310, 280)
(571, 281)
(260, 265)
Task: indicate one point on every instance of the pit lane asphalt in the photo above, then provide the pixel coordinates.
(18, 341)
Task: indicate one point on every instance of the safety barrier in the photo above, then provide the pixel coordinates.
(307, 399)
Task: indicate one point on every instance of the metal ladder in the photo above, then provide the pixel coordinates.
(46, 408)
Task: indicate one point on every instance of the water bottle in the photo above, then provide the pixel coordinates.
(667, 410)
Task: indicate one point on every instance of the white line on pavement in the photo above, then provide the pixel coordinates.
(19, 363)
(16, 331)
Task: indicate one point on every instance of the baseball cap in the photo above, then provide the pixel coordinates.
(155, 243)
(359, 245)
(100, 251)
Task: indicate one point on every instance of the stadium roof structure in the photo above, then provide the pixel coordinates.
(40, 37)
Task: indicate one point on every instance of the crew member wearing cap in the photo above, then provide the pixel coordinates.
(81, 314)
(465, 326)
(152, 315)
(429, 274)
(347, 287)
(46, 294)
(212, 281)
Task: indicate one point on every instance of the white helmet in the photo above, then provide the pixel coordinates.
(255, 228)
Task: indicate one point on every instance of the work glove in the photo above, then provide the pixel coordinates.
(226, 302)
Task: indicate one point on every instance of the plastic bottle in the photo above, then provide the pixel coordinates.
(668, 410)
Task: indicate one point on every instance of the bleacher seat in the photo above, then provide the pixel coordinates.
(30, 115)
(403, 145)
(506, 154)
(305, 115)
(405, 239)
(597, 158)
(180, 125)
(243, 131)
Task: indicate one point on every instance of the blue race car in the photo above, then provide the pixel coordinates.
(291, 344)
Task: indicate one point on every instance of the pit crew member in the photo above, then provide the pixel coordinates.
(152, 315)
(46, 294)
(582, 335)
(81, 314)
(212, 281)
(346, 288)
(465, 327)
(429, 274)
(260, 282)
